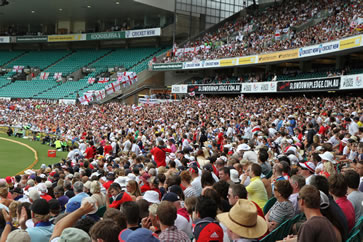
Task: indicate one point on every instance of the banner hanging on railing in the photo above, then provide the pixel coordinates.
(123, 78)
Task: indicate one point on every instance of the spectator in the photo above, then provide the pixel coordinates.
(256, 189)
(118, 196)
(296, 182)
(282, 209)
(242, 222)
(338, 189)
(167, 214)
(206, 227)
(105, 230)
(354, 196)
(317, 227)
(40, 215)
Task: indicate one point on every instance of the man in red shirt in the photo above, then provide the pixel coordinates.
(220, 138)
(118, 196)
(110, 177)
(159, 153)
(107, 150)
(90, 151)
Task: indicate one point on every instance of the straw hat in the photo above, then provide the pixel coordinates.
(243, 220)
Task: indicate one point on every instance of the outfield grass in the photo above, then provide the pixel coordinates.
(26, 156)
(14, 158)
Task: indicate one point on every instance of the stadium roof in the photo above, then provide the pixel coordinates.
(50, 11)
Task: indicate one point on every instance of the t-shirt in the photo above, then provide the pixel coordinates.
(317, 228)
(257, 192)
(348, 210)
(281, 211)
(356, 198)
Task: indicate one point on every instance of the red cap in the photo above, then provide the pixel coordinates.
(9, 179)
(52, 173)
(208, 231)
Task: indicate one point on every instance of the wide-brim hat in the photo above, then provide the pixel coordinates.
(243, 220)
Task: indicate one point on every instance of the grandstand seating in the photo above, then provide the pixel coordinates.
(6, 56)
(41, 59)
(135, 59)
(77, 60)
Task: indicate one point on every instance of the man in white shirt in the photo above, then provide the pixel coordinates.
(353, 127)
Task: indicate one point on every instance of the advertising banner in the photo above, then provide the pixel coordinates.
(69, 37)
(67, 101)
(351, 42)
(179, 89)
(211, 63)
(351, 82)
(215, 89)
(319, 49)
(167, 66)
(106, 35)
(4, 39)
(31, 39)
(193, 65)
(228, 62)
(247, 60)
(332, 83)
(259, 87)
(279, 56)
(142, 33)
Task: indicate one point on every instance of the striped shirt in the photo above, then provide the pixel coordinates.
(281, 211)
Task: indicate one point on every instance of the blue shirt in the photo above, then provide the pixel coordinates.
(78, 197)
(41, 232)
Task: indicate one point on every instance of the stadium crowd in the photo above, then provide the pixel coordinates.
(273, 29)
(208, 169)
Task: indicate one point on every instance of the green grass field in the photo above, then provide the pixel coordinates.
(14, 157)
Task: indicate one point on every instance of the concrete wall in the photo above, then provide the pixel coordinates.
(78, 26)
(168, 5)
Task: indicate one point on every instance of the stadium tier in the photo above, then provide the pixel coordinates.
(284, 25)
(66, 62)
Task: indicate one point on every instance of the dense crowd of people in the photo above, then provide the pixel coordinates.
(274, 29)
(203, 169)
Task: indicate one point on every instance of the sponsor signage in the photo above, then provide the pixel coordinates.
(106, 35)
(279, 56)
(351, 82)
(179, 89)
(309, 85)
(319, 49)
(141, 33)
(62, 38)
(259, 87)
(193, 65)
(247, 60)
(228, 62)
(211, 63)
(351, 42)
(31, 39)
(215, 88)
(167, 66)
(4, 39)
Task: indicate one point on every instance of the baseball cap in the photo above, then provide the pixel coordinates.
(40, 206)
(208, 231)
(171, 197)
(308, 165)
(74, 235)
